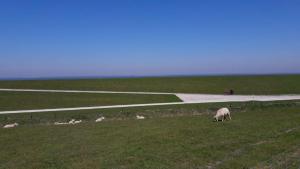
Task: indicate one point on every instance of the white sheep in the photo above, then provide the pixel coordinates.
(77, 122)
(11, 125)
(222, 113)
(60, 123)
(140, 117)
(100, 119)
(72, 121)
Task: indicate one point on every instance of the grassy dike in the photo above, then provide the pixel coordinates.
(44, 100)
(261, 134)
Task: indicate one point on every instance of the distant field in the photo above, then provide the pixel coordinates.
(39, 100)
(275, 84)
(261, 135)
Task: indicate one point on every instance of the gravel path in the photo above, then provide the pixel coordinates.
(186, 99)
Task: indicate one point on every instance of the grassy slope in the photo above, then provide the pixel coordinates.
(280, 84)
(36, 100)
(260, 134)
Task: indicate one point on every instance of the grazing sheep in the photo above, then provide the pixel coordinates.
(11, 125)
(60, 123)
(72, 121)
(140, 117)
(222, 113)
(100, 119)
(77, 122)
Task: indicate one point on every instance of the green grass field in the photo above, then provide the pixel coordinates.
(40, 100)
(275, 84)
(260, 135)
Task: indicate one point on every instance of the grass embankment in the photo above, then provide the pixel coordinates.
(268, 84)
(260, 134)
(40, 100)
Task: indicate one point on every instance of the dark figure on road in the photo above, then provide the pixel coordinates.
(229, 92)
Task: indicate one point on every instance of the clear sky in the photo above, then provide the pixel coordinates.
(148, 37)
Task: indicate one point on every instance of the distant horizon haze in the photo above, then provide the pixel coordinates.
(137, 38)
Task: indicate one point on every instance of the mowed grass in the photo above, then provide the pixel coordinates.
(261, 134)
(40, 100)
(267, 84)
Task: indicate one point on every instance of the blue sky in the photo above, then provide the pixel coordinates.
(59, 38)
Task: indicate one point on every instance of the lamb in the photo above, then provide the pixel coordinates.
(99, 119)
(222, 113)
(11, 125)
(140, 117)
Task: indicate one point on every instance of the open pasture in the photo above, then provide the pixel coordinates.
(263, 84)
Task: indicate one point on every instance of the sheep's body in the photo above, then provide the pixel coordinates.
(140, 117)
(222, 113)
(11, 125)
(100, 119)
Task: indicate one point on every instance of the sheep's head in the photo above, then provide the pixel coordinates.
(215, 117)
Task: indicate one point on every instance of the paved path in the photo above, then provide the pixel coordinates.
(204, 98)
(186, 99)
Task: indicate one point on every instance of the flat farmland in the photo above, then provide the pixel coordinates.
(263, 84)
